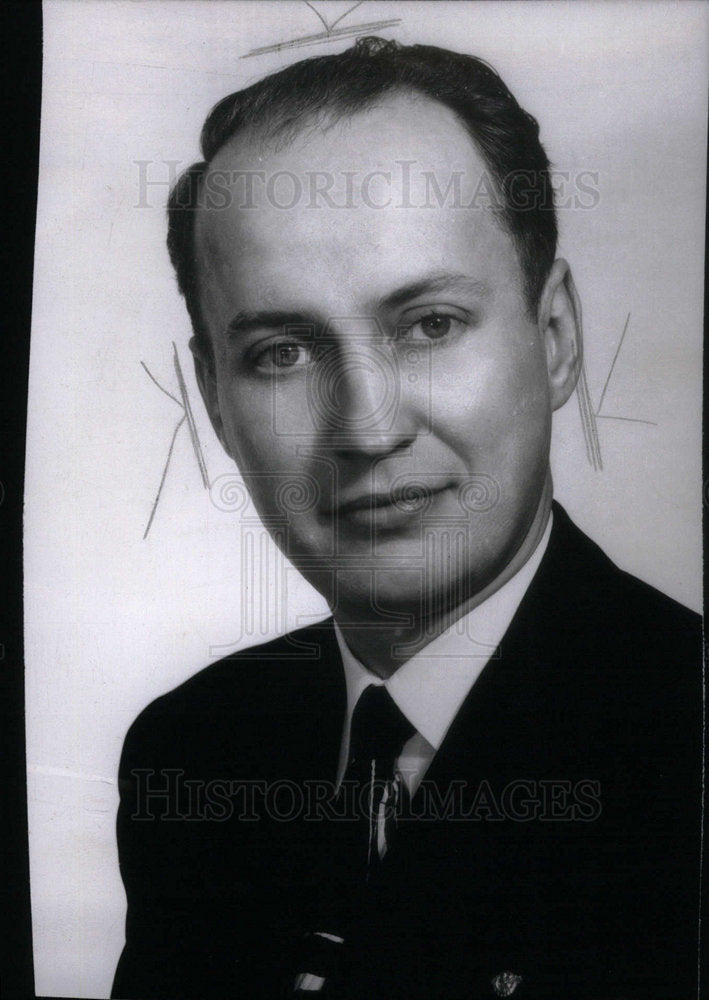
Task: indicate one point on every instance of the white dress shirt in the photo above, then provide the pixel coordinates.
(430, 687)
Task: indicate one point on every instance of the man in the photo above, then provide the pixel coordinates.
(367, 254)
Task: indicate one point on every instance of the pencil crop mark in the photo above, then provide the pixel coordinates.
(588, 421)
(615, 358)
(187, 417)
(331, 32)
(589, 416)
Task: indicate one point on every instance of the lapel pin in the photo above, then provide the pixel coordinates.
(506, 983)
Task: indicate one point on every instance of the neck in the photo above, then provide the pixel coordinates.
(374, 642)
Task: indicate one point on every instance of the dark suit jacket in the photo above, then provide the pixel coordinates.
(584, 880)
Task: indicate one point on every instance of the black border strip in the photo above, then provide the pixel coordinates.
(21, 32)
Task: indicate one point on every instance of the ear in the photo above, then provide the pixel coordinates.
(559, 320)
(205, 372)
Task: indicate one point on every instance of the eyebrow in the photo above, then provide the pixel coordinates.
(267, 319)
(432, 284)
(275, 319)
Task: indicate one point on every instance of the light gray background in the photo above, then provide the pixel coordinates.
(113, 620)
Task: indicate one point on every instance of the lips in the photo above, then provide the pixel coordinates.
(396, 498)
(390, 506)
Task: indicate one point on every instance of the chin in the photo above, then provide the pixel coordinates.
(399, 596)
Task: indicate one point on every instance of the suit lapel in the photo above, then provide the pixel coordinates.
(322, 704)
(543, 662)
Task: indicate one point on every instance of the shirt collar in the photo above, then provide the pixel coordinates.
(431, 687)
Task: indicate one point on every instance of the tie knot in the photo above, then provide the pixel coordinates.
(379, 727)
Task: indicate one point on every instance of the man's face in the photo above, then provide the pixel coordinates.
(378, 378)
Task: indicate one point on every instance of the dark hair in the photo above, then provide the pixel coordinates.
(506, 135)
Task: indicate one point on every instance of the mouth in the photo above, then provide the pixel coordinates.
(389, 508)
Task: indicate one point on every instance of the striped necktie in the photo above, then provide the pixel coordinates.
(373, 792)
(378, 733)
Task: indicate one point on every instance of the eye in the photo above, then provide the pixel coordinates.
(281, 355)
(289, 355)
(433, 326)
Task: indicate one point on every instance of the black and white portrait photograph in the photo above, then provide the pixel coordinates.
(363, 500)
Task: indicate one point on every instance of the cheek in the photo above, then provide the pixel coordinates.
(496, 417)
(265, 429)
(525, 417)
(490, 395)
(247, 426)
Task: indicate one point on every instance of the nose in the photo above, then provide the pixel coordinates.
(360, 402)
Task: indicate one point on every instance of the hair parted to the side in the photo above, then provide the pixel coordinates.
(342, 84)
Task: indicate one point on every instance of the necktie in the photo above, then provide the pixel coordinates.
(371, 792)
(378, 733)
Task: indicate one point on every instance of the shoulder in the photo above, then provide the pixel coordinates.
(598, 628)
(589, 587)
(240, 693)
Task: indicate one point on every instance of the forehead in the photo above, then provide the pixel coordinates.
(349, 198)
